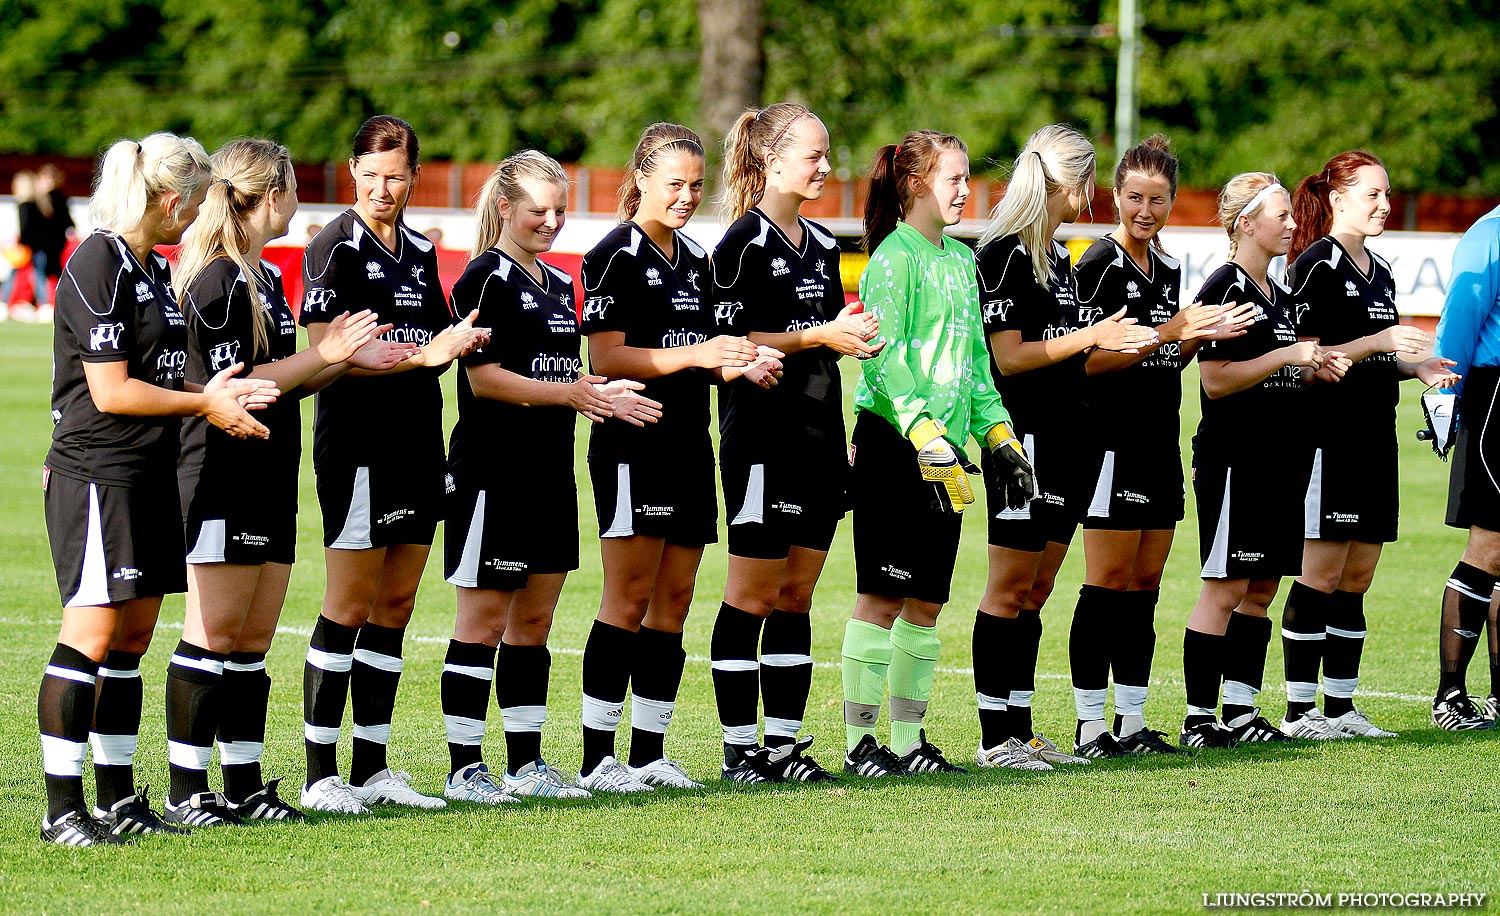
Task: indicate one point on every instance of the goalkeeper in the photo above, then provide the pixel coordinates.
(917, 402)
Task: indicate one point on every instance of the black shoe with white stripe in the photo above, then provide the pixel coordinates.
(1148, 741)
(873, 760)
(793, 765)
(203, 809)
(1252, 728)
(1206, 734)
(266, 805)
(133, 816)
(1103, 747)
(76, 828)
(1455, 712)
(926, 758)
(750, 765)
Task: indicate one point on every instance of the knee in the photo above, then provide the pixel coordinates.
(795, 597)
(529, 627)
(1146, 581)
(1041, 590)
(136, 639)
(1116, 578)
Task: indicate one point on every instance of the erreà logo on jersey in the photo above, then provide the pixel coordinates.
(653, 277)
(142, 291)
(596, 307)
(1350, 289)
(223, 354)
(372, 269)
(1132, 290)
(528, 301)
(778, 267)
(106, 335)
(724, 312)
(997, 308)
(319, 298)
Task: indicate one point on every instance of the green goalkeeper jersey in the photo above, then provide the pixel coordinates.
(934, 364)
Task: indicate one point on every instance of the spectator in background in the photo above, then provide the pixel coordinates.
(17, 255)
(45, 223)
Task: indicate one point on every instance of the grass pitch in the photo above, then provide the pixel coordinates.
(1418, 814)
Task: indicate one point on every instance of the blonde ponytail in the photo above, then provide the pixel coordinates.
(132, 176)
(505, 181)
(756, 134)
(1055, 157)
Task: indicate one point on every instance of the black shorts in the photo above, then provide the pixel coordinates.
(774, 506)
(1353, 493)
(1137, 489)
(671, 496)
(1250, 515)
(904, 545)
(1474, 479)
(380, 505)
(497, 535)
(1065, 472)
(243, 537)
(114, 542)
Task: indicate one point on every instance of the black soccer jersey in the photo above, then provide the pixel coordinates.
(1145, 399)
(113, 308)
(221, 307)
(659, 303)
(1274, 403)
(1012, 300)
(1336, 303)
(762, 282)
(382, 418)
(534, 334)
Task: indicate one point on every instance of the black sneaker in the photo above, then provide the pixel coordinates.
(1103, 747)
(1149, 741)
(873, 760)
(926, 758)
(751, 764)
(1206, 734)
(1455, 712)
(77, 828)
(1252, 728)
(793, 765)
(266, 805)
(132, 816)
(203, 809)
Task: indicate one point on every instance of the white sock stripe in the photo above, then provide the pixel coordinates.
(61, 757)
(1089, 703)
(1238, 693)
(70, 674)
(602, 715)
(1463, 589)
(1202, 711)
(235, 753)
(329, 661)
(988, 702)
(1021, 698)
(123, 673)
(477, 672)
(1301, 691)
(210, 665)
(113, 750)
(244, 667)
(783, 728)
(390, 663)
(651, 715)
(1346, 634)
(1341, 687)
(785, 660)
(379, 734)
(1300, 637)
(463, 730)
(320, 734)
(735, 664)
(524, 718)
(739, 734)
(188, 756)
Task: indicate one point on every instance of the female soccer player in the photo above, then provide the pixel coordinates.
(1134, 401)
(509, 549)
(240, 550)
(647, 317)
(119, 351)
(1248, 510)
(378, 454)
(1345, 297)
(1037, 344)
(782, 456)
(917, 401)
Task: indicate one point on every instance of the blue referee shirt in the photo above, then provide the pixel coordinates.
(1469, 331)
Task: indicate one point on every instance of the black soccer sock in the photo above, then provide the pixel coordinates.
(464, 691)
(653, 692)
(373, 679)
(193, 678)
(245, 695)
(521, 674)
(1088, 656)
(786, 669)
(607, 657)
(736, 676)
(325, 688)
(994, 640)
(1134, 635)
(1023, 677)
(1245, 643)
(64, 709)
(1494, 632)
(1303, 620)
(1202, 670)
(1466, 607)
(1341, 653)
(117, 727)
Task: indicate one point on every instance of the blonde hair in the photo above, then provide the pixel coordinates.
(132, 176)
(23, 186)
(659, 137)
(891, 195)
(244, 172)
(1055, 157)
(756, 134)
(505, 181)
(1238, 192)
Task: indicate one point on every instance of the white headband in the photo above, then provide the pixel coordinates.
(1259, 198)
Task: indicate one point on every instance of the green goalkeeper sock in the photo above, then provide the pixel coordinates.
(913, 661)
(867, 656)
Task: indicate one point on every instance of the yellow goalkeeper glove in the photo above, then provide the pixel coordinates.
(940, 466)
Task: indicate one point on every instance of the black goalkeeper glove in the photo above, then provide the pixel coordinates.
(1017, 479)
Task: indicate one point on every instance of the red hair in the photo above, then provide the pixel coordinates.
(1310, 206)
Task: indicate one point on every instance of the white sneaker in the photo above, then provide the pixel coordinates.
(1355, 724)
(665, 773)
(475, 783)
(612, 776)
(333, 795)
(537, 780)
(1011, 755)
(1312, 726)
(393, 787)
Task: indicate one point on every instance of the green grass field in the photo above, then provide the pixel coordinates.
(1418, 814)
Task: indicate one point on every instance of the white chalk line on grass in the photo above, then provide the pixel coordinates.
(703, 660)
